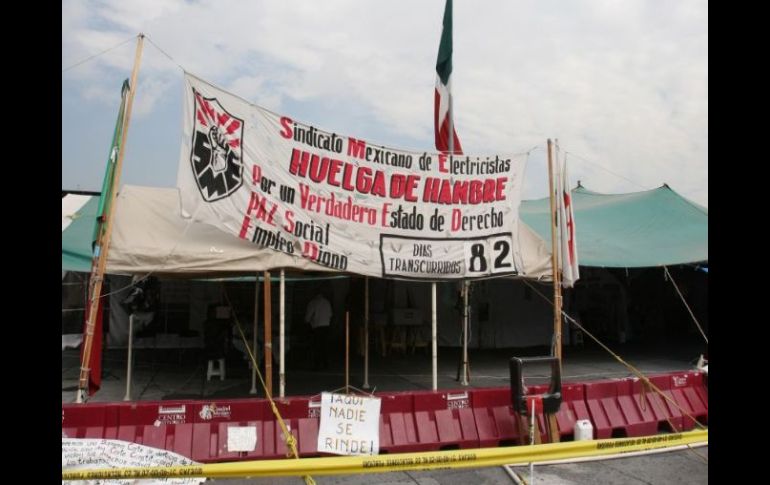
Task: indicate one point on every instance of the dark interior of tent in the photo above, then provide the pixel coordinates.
(635, 309)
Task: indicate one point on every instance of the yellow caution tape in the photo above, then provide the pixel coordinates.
(432, 460)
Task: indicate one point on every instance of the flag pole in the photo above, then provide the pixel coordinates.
(466, 284)
(103, 241)
(554, 266)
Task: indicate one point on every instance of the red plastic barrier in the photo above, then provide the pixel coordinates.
(444, 421)
(573, 408)
(90, 421)
(688, 390)
(614, 413)
(638, 415)
(664, 416)
(493, 414)
(409, 421)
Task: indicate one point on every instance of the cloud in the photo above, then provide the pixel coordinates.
(623, 84)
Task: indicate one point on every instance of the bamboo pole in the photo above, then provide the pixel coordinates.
(554, 264)
(268, 336)
(103, 246)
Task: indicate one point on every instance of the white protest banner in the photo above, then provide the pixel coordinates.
(78, 454)
(344, 203)
(349, 425)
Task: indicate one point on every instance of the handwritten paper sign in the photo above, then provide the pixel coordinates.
(241, 438)
(78, 454)
(349, 425)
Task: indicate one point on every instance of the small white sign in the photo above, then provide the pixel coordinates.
(241, 438)
(350, 425)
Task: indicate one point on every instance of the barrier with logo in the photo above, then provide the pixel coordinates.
(409, 421)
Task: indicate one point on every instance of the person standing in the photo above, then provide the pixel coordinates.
(319, 316)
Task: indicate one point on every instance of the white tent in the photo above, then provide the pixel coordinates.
(150, 235)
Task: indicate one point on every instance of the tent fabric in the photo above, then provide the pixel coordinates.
(640, 229)
(78, 218)
(150, 235)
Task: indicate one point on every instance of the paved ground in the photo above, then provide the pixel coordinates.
(164, 374)
(169, 375)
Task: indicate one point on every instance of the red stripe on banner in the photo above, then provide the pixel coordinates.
(202, 119)
(233, 126)
(209, 110)
(234, 143)
(222, 119)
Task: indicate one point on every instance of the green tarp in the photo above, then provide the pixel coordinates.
(641, 229)
(76, 239)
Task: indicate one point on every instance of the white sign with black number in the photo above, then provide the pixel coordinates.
(350, 425)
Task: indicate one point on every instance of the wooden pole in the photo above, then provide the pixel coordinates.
(347, 351)
(268, 336)
(254, 337)
(103, 245)
(366, 333)
(554, 264)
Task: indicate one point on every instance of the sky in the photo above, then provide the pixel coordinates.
(622, 85)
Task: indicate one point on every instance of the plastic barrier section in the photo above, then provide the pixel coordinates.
(409, 421)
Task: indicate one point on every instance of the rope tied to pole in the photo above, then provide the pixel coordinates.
(692, 315)
(645, 381)
(291, 441)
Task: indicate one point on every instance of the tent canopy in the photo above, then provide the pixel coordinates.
(640, 229)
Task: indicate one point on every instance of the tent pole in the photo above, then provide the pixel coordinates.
(347, 351)
(103, 243)
(554, 266)
(268, 336)
(433, 326)
(129, 365)
(254, 338)
(365, 385)
(281, 374)
(465, 371)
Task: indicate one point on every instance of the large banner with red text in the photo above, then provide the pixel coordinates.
(342, 202)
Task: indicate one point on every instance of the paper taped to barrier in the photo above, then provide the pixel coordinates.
(78, 454)
(241, 438)
(349, 425)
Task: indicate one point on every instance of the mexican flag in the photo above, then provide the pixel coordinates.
(94, 364)
(442, 106)
(570, 272)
